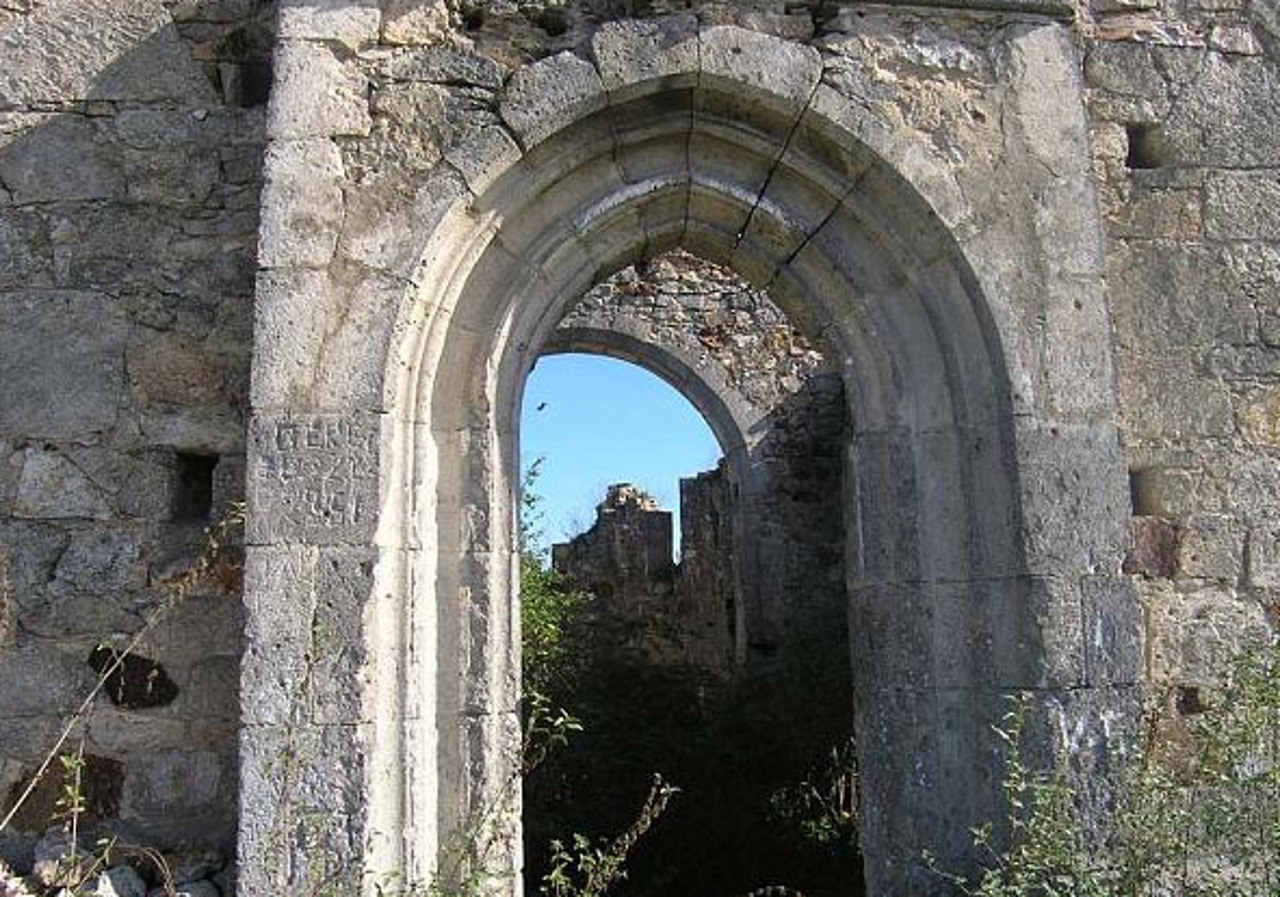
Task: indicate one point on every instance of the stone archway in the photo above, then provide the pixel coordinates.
(987, 489)
(736, 709)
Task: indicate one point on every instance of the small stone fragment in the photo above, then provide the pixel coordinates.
(1155, 548)
(119, 881)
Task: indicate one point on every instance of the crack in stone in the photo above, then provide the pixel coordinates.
(777, 163)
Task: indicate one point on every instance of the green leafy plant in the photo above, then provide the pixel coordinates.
(548, 606)
(823, 807)
(589, 870)
(1197, 814)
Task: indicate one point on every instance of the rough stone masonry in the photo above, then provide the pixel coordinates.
(305, 252)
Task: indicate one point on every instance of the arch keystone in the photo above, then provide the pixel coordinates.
(638, 57)
(784, 74)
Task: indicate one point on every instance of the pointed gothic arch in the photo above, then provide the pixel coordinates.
(962, 587)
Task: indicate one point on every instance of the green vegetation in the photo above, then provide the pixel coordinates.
(548, 607)
(1198, 813)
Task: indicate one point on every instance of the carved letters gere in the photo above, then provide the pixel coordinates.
(313, 478)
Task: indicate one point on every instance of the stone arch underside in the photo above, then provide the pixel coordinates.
(955, 598)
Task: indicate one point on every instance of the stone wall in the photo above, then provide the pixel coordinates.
(985, 445)
(1182, 99)
(648, 609)
(131, 140)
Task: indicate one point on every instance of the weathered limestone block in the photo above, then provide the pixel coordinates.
(401, 147)
(379, 230)
(42, 681)
(315, 95)
(211, 690)
(302, 205)
(786, 73)
(288, 336)
(1263, 556)
(313, 479)
(62, 366)
(1194, 635)
(482, 156)
(1078, 474)
(1259, 417)
(414, 22)
(172, 369)
(544, 97)
(1224, 118)
(303, 807)
(1242, 205)
(1158, 213)
(1165, 395)
(66, 51)
(1170, 295)
(647, 54)
(193, 780)
(446, 64)
(351, 23)
(1003, 635)
(58, 157)
(1211, 547)
(52, 485)
(181, 176)
(1113, 631)
(25, 252)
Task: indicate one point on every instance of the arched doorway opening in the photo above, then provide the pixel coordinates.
(983, 501)
(854, 259)
(746, 706)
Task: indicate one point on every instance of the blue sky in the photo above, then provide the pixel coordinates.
(604, 421)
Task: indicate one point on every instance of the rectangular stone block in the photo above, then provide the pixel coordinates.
(1194, 636)
(63, 363)
(313, 478)
(1112, 618)
(302, 203)
(1167, 396)
(1181, 295)
(1242, 205)
(315, 94)
(632, 55)
(1003, 634)
(1211, 547)
(544, 97)
(1075, 498)
(1263, 557)
(305, 658)
(302, 809)
(351, 23)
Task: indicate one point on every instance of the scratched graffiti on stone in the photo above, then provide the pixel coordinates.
(318, 477)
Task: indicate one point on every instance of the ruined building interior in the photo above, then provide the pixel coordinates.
(981, 299)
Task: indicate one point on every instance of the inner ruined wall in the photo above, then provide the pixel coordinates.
(734, 662)
(783, 403)
(131, 139)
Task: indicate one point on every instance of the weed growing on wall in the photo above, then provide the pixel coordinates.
(76, 871)
(1198, 814)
